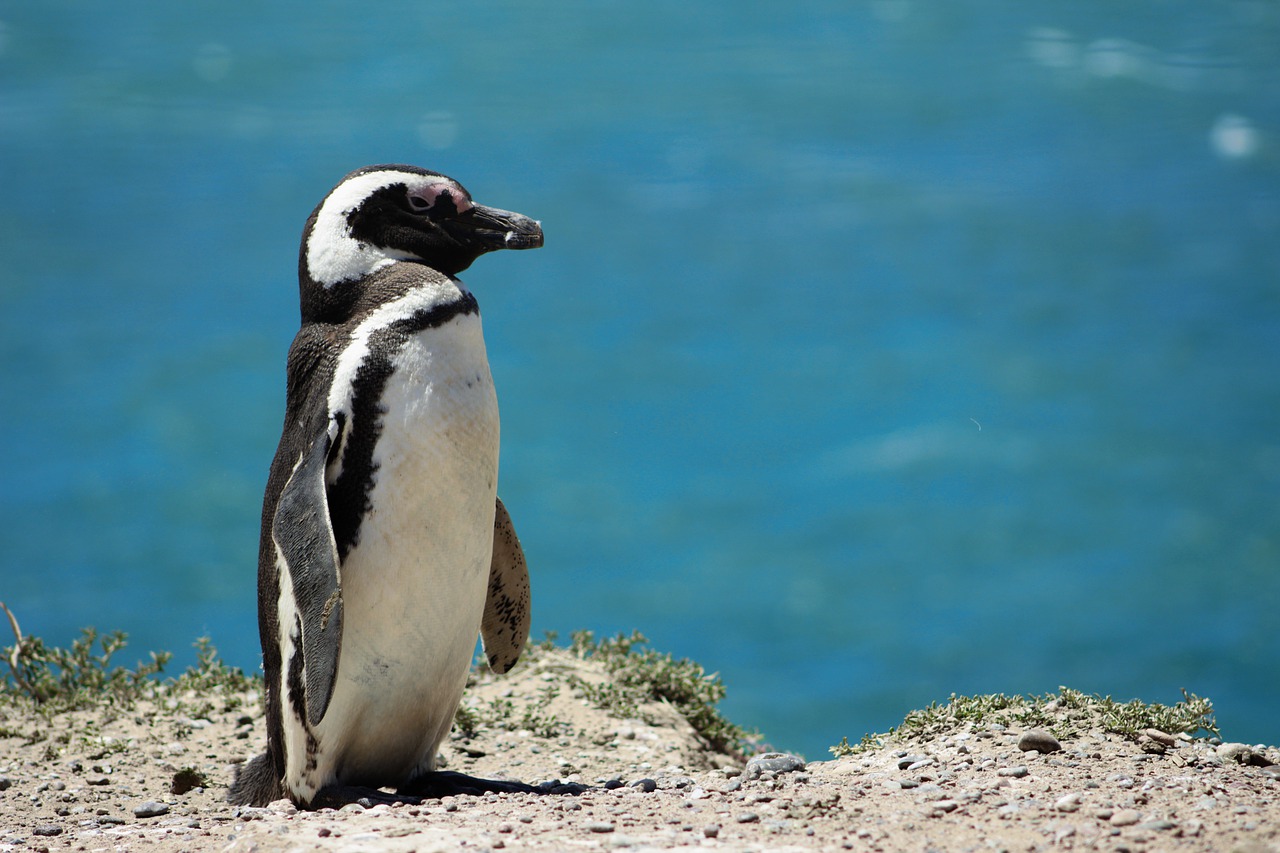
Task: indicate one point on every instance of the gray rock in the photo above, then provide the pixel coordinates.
(596, 826)
(907, 760)
(150, 809)
(1157, 824)
(711, 830)
(1038, 740)
(1238, 752)
(1272, 771)
(48, 829)
(5, 782)
(1015, 772)
(747, 817)
(772, 762)
(646, 785)
(1125, 817)
(1069, 803)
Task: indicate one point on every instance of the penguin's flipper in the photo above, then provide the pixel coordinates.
(505, 625)
(303, 535)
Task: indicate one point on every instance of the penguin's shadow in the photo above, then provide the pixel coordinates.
(433, 786)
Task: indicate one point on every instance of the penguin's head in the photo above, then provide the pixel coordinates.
(381, 214)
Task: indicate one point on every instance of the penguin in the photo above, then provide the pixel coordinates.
(384, 548)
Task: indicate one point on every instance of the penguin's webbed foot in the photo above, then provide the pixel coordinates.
(337, 796)
(446, 783)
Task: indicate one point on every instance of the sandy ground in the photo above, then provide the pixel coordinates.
(102, 780)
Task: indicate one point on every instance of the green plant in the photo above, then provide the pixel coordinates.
(61, 679)
(64, 679)
(1065, 714)
(639, 675)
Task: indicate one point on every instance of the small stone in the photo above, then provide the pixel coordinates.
(613, 784)
(1069, 803)
(772, 762)
(648, 786)
(711, 830)
(5, 783)
(1272, 771)
(945, 806)
(1158, 825)
(748, 817)
(1161, 737)
(150, 809)
(598, 826)
(48, 829)
(1238, 752)
(1038, 740)
(1125, 817)
(1016, 772)
(907, 760)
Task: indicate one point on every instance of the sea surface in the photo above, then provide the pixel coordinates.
(878, 350)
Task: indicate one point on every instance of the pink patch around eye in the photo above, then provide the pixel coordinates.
(432, 193)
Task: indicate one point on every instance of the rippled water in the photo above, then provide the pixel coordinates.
(877, 350)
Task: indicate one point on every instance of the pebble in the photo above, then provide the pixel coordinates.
(747, 817)
(150, 809)
(1125, 817)
(1069, 803)
(1038, 740)
(1161, 737)
(711, 830)
(5, 783)
(646, 785)
(597, 826)
(47, 829)
(1241, 752)
(1273, 771)
(1157, 824)
(1016, 772)
(772, 762)
(908, 760)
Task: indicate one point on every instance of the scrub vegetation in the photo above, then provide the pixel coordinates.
(1065, 714)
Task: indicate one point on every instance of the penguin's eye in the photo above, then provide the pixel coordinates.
(419, 204)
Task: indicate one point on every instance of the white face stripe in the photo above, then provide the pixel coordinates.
(333, 255)
(342, 389)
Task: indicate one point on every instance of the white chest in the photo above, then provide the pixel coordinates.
(413, 586)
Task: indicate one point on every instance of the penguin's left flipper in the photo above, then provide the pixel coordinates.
(505, 624)
(303, 534)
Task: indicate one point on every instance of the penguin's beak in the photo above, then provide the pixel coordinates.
(488, 229)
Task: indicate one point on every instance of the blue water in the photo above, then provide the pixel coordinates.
(877, 350)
